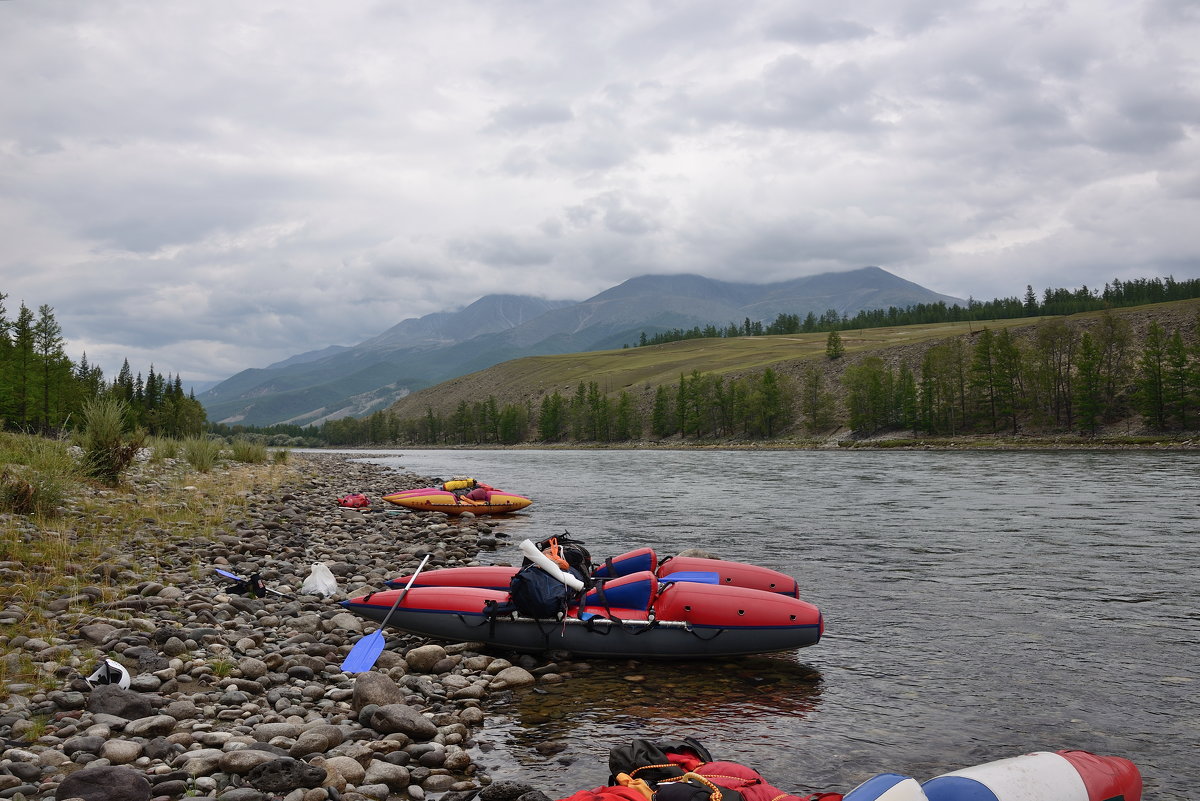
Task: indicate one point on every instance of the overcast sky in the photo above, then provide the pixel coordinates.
(209, 186)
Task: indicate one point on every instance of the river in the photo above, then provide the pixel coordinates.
(978, 605)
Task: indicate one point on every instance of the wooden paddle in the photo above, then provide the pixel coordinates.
(366, 651)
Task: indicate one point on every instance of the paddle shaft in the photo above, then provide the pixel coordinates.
(403, 592)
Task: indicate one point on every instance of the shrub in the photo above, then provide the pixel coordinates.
(279, 456)
(108, 448)
(249, 452)
(202, 453)
(164, 448)
(37, 475)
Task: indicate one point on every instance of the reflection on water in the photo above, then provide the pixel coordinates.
(608, 703)
(977, 606)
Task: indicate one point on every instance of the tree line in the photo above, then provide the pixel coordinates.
(42, 390)
(1052, 302)
(1057, 377)
(1061, 377)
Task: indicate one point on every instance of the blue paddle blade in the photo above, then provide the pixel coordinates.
(364, 653)
(229, 575)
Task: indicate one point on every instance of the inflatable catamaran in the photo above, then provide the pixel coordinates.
(633, 606)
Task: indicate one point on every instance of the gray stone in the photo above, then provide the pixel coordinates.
(105, 783)
(269, 731)
(152, 726)
(423, 658)
(396, 777)
(512, 677)
(241, 794)
(377, 688)
(504, 791)
(97, 632)
(317, 740)
(403, 719)
(120, 752)
(252, 668)
(88, 745)
(349, 769)
(109, 699)
(244, 760)
(284, 775)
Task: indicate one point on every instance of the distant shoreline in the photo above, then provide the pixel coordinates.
(1179, 442)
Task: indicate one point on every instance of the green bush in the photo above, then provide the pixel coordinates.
(245, 450)
(162, 448)
(279, 456)
(108, 447)
(37, 474)
(202, 453)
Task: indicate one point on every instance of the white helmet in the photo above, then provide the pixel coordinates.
(110, 672)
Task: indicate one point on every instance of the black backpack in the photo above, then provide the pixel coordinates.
(536, 593)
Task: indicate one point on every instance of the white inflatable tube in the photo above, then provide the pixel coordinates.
(530, 550)
(887, 787)
(1040, 776)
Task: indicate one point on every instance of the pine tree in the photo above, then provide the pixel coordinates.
(662, 419)
(1178, 402)
(22, 368)
(55, 366)
(1089, 398)
(834, 349)
(816, 403)
(1151, 380)
(983, 376)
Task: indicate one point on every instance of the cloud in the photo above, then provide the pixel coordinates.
(219, 186)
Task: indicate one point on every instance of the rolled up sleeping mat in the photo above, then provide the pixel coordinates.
(632, 562)
(887, 787)
(1041, 776)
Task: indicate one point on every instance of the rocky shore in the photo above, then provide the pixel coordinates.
(242, 698)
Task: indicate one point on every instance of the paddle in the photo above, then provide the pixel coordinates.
(364, 653)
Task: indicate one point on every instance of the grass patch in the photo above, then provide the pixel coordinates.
(248, 452)
(163, 448)
(202, 453)
(36, 474)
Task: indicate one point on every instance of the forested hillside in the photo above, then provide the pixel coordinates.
(1136, 368)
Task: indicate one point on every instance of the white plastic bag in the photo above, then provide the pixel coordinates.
(320, 581)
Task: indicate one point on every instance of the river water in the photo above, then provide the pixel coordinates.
(978, 605)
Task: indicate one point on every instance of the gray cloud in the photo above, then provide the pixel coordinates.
(218, 186)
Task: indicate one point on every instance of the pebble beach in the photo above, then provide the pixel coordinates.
(242, 698)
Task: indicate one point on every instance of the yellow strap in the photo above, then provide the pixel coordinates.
(625, 780)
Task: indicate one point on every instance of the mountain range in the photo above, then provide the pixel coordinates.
(341, 381)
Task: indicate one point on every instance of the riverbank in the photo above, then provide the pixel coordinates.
(235, 697)
(1188, 440)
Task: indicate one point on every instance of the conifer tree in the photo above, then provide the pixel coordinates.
(1089, 399)
(1178, 401)
(816, 402)
(1151, 380)
(834, 349)
(55, 367)
(662, 418)
(23, 366)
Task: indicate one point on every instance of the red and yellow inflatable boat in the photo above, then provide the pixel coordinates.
(460, 495)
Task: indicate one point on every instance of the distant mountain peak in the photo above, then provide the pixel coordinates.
(422, 351)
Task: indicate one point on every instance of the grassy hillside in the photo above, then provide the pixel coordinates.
(641, 370)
